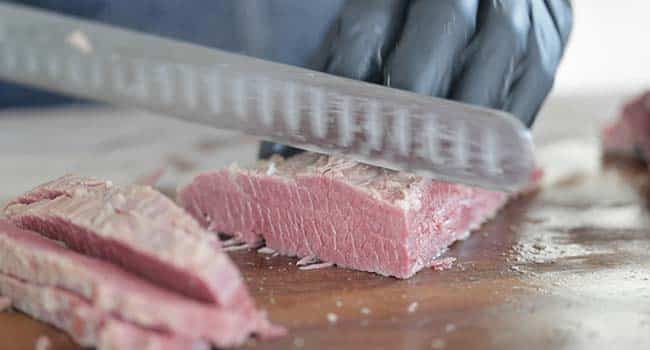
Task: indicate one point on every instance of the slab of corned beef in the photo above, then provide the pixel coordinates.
(136, 228)
(30, 257)
(87, 325)
(629, 135)
(357, 216)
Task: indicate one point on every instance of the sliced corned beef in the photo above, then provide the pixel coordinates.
(630, 134)
(31, 257)
(340, 211)
(137, 228)
(86, 324)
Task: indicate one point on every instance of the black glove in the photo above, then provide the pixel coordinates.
(496, 53)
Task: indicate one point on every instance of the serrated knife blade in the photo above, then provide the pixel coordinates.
(399, 130)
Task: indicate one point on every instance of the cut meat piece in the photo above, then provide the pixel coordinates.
(630, 134)
(56, 307)
(87, 325)
(33, 258)
(5, 303)
(340, 211)
(137, 228)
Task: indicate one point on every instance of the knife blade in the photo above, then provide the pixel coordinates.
(377, 125)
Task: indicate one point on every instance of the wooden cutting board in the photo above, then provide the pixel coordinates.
(566, 267)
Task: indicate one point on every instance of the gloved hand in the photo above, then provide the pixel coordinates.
(501, 54)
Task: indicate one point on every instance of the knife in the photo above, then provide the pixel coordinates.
(373, 124)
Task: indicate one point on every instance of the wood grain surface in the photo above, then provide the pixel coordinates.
(567, 267)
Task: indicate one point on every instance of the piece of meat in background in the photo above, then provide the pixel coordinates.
(629, 135)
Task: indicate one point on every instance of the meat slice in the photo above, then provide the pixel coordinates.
(31, 257)
(629, 135)
(354, 215)
(87, 325)
(137, 228)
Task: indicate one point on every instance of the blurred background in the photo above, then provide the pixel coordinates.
(606, 62)
(608, 51)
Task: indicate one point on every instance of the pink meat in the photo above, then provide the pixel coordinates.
(87, 325)
(33, 258)
(630, 133)
(358, 216)
(137, 228)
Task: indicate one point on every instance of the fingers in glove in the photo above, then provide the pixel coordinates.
(434, 35)
(364, 34)
(545, 49)
(494, 54)
(562, 14)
